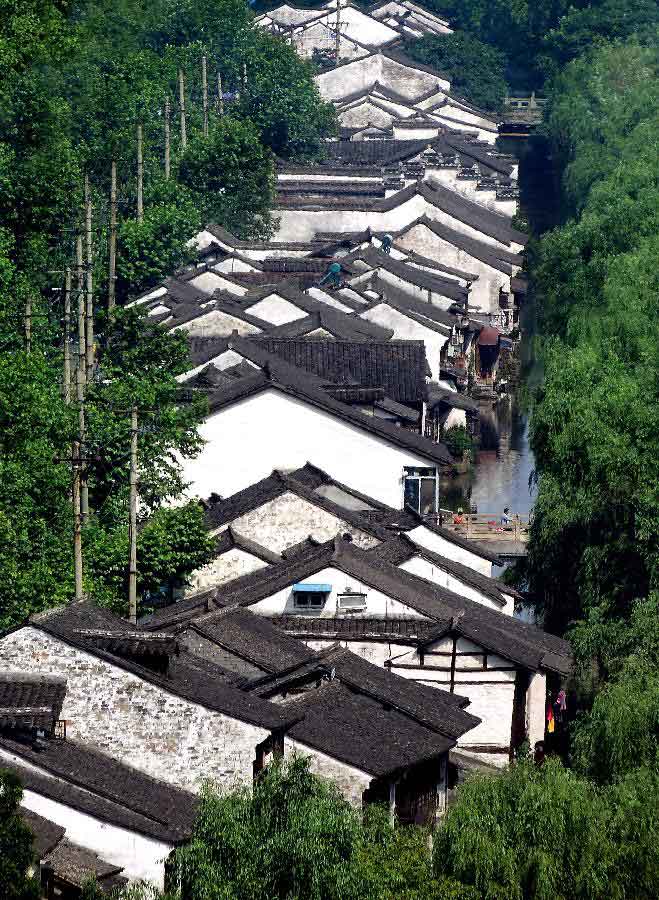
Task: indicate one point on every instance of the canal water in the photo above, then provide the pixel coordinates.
(503, 475)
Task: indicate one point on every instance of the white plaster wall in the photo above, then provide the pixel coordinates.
(271, 430)
(324, 297)
(377, 603)
(207, 282)
(403, 133)
(134, 721)
(425, 569)
(303, 224)
(409, 330)
(485, 290)
(350, 781)
(140, 857)
(364, 114)
(223, 568)
(289, 519)
(361, 74)
(536, 700)
(217, 324)
(432, 541)
(276, 310)
(231, 265)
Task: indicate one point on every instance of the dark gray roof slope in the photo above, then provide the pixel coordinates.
(425, 314)
(104, 787)
(30, 701)
(74, 865)
(180, 612)
(189, 677)
(252, 638)
(429, 706)
(343, 326)
(397, 366)
(511, 638)
(46, 834)
(446, 287)
(363, 732)
(230, 539)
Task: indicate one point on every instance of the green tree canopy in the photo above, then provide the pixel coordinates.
(543, 833)
(476, 70)
(16, 854)
(232, 174)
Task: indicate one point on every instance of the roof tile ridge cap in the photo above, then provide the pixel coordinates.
(46, 614)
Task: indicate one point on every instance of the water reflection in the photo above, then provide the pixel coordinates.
(504, 465)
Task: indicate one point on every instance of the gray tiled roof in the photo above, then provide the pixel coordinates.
(85, 779)
(187, 676)
(30, 701)
(253, 638)
(397, 366)
(505, 635)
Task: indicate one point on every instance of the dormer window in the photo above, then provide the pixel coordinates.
(309, 596)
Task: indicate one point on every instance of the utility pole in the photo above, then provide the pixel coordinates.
(167, 140)
(181, 101)
(244, 78)
(204, 89)
(112, 274)
(66, 375)
(81, 381)
(89, 281)
(28, 323)
(337, 37)
(77, 522)
(132, 522)
(220, 97)
(140, 176)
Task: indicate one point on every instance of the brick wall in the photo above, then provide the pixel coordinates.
(134, 721)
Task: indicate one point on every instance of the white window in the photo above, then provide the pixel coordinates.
(352, 600)
(421, 490)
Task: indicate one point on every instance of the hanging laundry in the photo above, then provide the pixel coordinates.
(550, 719)
(559, 707)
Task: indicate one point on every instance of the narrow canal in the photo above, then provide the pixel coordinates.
(503, 473)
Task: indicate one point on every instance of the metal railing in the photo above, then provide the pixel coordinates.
(487, 526)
